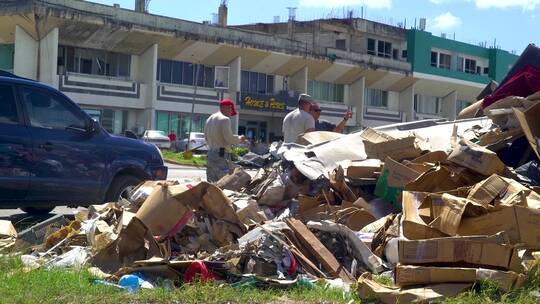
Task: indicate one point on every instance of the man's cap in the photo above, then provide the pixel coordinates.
(305, 97)
(228, 102)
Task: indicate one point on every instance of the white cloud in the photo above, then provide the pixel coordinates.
(377, 4)
(445, 22)
(438, 1)
(524, 4)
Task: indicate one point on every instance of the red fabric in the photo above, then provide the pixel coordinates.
(228, 102)
(198, 269)
(172, 137)
(523, 84)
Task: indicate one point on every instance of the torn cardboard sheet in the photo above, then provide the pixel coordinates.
(487, 190)
(7, 229)
(529, 122)
(369, 289)
(362, 169)
(477, 158)
(432, 157)
(413, 225)
(317, 137)
(234, 181)
(407, 275)
(394, 177)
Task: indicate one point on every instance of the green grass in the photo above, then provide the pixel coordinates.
(71, 286)
(197, 160)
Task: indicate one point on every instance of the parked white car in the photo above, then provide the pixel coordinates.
(158, 138)
(196, 140)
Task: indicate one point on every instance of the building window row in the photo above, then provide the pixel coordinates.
(185, 73)
(257, 83)
(93, 62)
(326, 91)
(462, 64)
(376, 98)
(427, 104)
(112, 120)
(384, 49)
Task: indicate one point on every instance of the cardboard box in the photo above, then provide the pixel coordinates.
(392, 181)
(406, 275)
(379, 145)
(529, 122)
(414, 227)
(364, 169)
(487, 190)
(522, 225)
(435, 180)
(431, 157)
(477, 158)
(447, 212)
(455, 250)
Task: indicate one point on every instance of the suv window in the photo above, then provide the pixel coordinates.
(8, 107)
(46, 110)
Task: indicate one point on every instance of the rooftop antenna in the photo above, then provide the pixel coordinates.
(292, 13)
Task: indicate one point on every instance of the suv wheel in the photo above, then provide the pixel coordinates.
(121, 187)
(37, 210)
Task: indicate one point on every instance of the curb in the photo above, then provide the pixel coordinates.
(166, 160)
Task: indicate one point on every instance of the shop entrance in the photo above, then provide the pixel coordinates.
(255, 131)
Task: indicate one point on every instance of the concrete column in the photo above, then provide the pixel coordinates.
(406, 102)
(449, 103)
(48, 58)
(26, 54)
(235, 83)
(298, 81)
(147, 68)
(356, 98)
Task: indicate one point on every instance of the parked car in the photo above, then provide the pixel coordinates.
(53, 153)
(158, 138)
(196, 142)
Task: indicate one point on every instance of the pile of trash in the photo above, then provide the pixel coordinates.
(433, 206)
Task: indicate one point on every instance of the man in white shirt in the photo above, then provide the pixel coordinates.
(219, 138)
(298, 121)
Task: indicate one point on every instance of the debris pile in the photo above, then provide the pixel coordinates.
(435, 207)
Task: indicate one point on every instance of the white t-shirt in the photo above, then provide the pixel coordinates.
(295, 124)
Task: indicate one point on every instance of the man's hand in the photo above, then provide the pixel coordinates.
(242, 138)
(347, 115)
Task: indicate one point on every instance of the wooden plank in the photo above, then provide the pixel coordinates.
(321, 253)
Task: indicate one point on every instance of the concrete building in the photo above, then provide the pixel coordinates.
(134, 70)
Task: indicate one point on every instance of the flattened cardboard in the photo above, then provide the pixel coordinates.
(7, 229)
(407, 275)
(448, 210)
(380, 146)
(477, 158)
(234, 181)
(529, 122)
(522, 225)
(392, 181)
(369, 289)
(437, 179)
(455, 250)
(363, 169)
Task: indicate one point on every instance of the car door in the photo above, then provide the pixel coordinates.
(68, 161)
(15, 148)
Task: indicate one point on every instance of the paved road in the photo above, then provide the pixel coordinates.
(176, 172)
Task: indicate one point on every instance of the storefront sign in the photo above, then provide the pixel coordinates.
(266, 102)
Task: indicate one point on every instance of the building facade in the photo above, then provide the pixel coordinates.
(135, 71)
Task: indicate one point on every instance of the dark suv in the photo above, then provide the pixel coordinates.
(52, 153)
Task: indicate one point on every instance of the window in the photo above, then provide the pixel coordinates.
(50, 111)
(395, 54)
(479, 70)
(427, 104)
(470, 66)
(178, 72)
(341, 44)
(7, 52)
(486, 71)
(325, 91)
(8, 107)
(404, 54)
(257, 83)
(461, 104)
(93, 62)
(434, 57)
(460, 64)
(444, 61)
(384, 49)
(376, 98)
(371, 46)
(179, 123)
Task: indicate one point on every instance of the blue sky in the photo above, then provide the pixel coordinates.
(511, 24)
